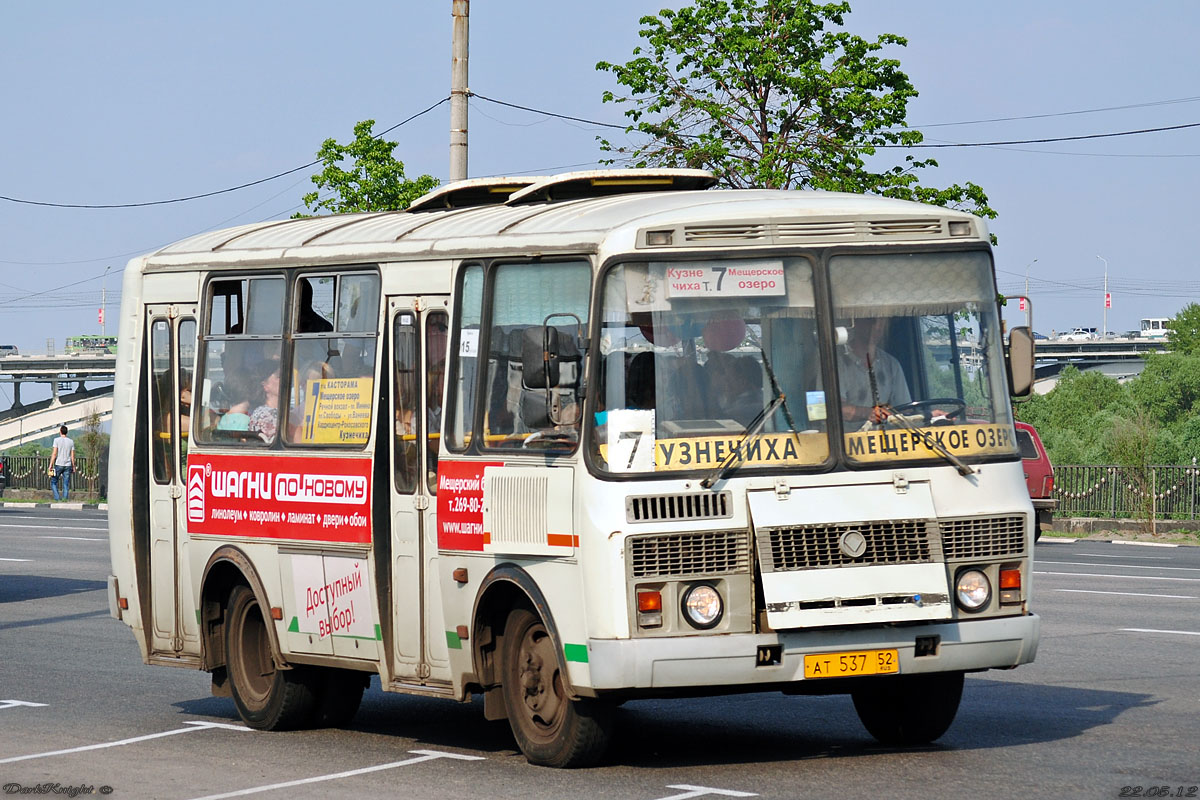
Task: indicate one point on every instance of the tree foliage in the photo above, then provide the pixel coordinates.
(1185, 330)
(772, 93)
(363, 176)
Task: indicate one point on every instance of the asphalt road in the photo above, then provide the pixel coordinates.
(1111, 704)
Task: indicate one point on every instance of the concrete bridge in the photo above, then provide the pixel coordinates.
(71, 399)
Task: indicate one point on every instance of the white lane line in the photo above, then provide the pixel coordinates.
(195, 726)
(1124, 555)
(422, 755)
(701, 791)
(14, 559)
(57, 519)
(15, 703)
(1130, 594)
(1122, 577)
(1144, 544)
(1152, 630)
(1122, 566)
(56, 527)
(74, 538)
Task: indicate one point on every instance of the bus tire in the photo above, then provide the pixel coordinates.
(267, 698)
(339, 694)
(909, 709)
(551, 729)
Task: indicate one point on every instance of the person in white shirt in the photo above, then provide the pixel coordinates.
(62, 464)
(859, 404)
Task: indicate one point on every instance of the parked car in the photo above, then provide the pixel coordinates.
(1038, 337)
(9, 350)
(1039, 476)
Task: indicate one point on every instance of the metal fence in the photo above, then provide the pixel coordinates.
(32, 473)
(1108, 490)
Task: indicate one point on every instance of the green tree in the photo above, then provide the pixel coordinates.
(770, 93)
(1185, 330)
(373, 181)
(1168, 389)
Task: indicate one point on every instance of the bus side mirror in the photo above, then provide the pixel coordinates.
(540, 353)
(1020, 362)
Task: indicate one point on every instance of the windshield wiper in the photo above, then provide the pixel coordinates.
(734, 460)
(930, 441)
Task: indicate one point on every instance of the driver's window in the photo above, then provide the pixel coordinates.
(536, 308)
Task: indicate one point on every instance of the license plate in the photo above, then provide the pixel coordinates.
(851, 664)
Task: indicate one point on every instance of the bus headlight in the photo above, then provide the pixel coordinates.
(702, 606)
(973, 590)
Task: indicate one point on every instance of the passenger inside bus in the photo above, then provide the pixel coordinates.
(871, 378)
(264, 420)
(308, 320)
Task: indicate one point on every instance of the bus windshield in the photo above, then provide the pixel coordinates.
(692, 353)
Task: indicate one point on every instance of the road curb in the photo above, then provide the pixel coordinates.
(60, 506)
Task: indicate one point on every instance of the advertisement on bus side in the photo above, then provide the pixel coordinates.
(305, 498)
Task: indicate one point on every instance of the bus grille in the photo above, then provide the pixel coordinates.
(678, 554)
(983, 537)
(817, 546)
(668, 507)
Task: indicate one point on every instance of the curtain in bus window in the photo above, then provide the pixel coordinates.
(521, 409)
(465, 365)
(910, 284)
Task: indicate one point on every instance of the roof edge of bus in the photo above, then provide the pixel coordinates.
(472, 192)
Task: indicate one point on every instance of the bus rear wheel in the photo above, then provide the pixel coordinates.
(909, 709)
(551, 729)
(267, 698)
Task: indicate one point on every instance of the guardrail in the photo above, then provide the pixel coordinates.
(32, 472)
(1165, 491)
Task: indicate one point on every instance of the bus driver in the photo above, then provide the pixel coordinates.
(857, 359)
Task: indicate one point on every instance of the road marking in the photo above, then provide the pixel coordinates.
(422, 755)
(14, 559)
(1123, 566)
(15, 703)
(1123, 555)
(1122, 577)
(61, 519)
(1130, 594)
(701, 791)
(74, 538)
(195, 726)
(1144, 544)
(1152, 630)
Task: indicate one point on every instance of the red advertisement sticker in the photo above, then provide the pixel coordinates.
(460, 504)
(280, 497)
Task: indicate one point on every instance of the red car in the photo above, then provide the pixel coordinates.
(1039, 476)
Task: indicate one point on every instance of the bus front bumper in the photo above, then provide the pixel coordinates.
(731, 660)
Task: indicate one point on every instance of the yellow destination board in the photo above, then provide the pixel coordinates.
(960, 440)
(337, 411)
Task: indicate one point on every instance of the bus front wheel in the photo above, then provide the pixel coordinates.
(551, 729)
(267, 698)
(909, 709)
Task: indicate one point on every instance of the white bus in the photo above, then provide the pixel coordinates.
(1156, 328)
(568, 441)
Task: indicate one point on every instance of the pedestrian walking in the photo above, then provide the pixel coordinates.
(62, 464)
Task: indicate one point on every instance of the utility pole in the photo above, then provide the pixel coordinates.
(1104, 330)
(460, 10)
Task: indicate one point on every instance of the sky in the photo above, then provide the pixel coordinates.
(135, 102)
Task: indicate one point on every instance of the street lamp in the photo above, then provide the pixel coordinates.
(1028, 305)
(1104, 330)
(1027, 266)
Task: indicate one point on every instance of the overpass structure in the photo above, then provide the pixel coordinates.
(1051, 356)
(70, 402)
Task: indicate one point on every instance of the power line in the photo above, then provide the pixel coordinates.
(1062, 113)
(207, 194)
(1049, 138)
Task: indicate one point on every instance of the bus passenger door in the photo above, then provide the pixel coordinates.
(172, 334)
(418, 337)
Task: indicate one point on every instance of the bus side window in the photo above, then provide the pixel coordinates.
(435, 379)
(333, 363)
(464, 366)
(536, 308)
(239, 375)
